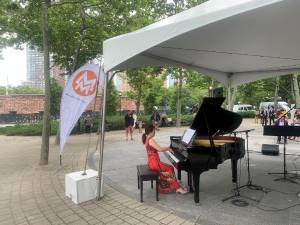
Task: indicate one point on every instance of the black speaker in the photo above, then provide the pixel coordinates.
(267, 149)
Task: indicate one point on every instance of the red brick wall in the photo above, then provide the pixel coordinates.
(22, 104)
(27, 104)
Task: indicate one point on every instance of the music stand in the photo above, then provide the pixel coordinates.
(285, 172)
(237, 187)
(280, 131)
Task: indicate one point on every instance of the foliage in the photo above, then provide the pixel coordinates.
(263, 90)
(140, 80)
(247, 114)
(113, 100)
(153, 96)
(77, 28)
(56, 93)
(34, 129)
(21, 90)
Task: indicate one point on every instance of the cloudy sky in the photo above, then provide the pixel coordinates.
(12, 67)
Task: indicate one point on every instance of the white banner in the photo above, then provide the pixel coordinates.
(78, 93)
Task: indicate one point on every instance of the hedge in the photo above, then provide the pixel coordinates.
(247, 114)
(112, 123)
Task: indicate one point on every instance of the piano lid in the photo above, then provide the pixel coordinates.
(218, 119)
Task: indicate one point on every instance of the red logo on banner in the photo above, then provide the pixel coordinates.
(84, 83)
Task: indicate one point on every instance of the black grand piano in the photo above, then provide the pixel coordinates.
(208, 148)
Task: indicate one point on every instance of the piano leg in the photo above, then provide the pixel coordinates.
(196, 181)
(234, 170)
(179, 174)
(190, 183)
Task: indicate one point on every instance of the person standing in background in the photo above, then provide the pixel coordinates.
(129, 123)
(281, 122)
(155, 118)
(271, 115)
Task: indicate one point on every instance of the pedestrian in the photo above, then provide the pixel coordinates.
(271, 115)
(155, 118)
(134, 120)
(282, 121)
(129, 123)
(88, 123)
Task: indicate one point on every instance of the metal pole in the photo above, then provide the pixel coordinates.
(100, 183)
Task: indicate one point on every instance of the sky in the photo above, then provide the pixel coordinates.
(12, 67)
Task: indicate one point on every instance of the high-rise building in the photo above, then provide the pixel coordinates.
(35, 68)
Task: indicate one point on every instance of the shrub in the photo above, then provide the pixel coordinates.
(34, 129)
(112, 123)
(248, 114)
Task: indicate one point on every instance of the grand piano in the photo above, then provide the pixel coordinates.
(208, 147)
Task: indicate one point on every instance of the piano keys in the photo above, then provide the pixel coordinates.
(208, 148)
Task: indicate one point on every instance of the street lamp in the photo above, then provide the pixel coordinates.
(120, 97)
(210, 91)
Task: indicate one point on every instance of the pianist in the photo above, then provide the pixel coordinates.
(167, 180)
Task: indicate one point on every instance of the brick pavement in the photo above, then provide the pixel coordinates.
(35, 195)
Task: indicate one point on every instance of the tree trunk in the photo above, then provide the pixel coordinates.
(276, 93)
(138, 102)
(233, 97)
(296, 90)
(46, 117)
(229, 98)
(179, 90)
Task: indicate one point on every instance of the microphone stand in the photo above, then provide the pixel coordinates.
(238, 202)
(249, 182)
(285, 172)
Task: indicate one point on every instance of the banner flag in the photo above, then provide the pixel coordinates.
(79, 91)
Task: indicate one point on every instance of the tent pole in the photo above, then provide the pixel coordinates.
(100, 182)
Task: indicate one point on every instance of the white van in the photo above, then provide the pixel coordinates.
(281, 105)
(243, 108)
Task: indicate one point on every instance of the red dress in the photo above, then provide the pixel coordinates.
(167, 180)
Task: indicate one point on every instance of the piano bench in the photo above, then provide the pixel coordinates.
(144, 174)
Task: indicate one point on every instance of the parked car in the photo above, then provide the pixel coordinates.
(281, 105)
(243, 108)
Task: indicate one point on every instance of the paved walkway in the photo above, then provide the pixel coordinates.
(33, 194)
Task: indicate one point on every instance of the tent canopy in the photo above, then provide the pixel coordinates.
(234, 41)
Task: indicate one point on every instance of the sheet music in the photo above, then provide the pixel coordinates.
(188, 135)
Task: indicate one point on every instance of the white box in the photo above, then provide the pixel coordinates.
(81, 188)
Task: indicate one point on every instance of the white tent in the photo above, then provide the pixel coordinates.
(232, 41)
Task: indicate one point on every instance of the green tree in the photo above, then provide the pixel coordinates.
(21, 90)
(72, 31)
(56, 93)
(153, 95)
(112, 102)
(139, 80)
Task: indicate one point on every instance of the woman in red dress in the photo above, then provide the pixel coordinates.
(167, 180)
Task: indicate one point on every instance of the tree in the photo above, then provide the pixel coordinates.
(139, 80)
(153, 95)
(296, 90)
(46, 116)
(112, 99)
(56, 92)
(75, 34)
(21, 90)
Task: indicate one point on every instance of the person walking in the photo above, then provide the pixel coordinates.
(129, 123)
(155, 118)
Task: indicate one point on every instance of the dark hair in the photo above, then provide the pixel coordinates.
(149, 129)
